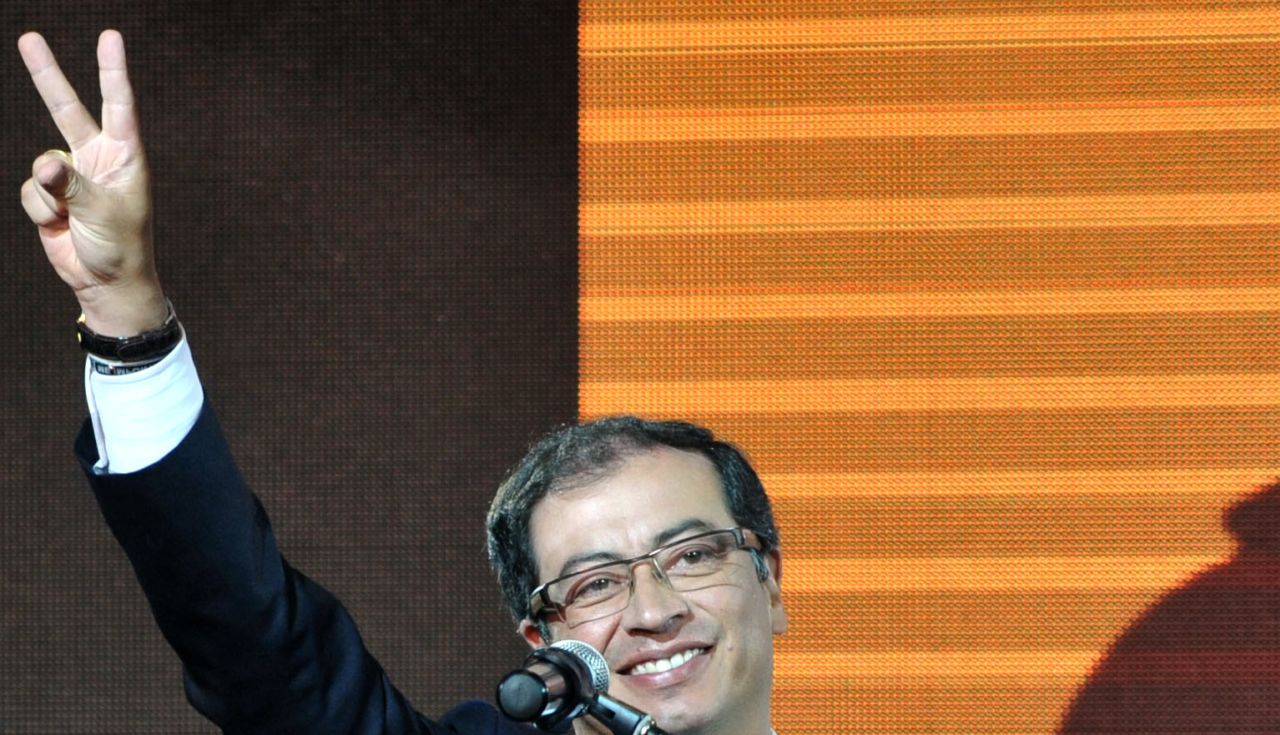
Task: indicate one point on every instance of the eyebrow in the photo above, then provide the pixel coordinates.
(663, 537)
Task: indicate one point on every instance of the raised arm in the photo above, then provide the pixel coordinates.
(92, 202)
(265, 650)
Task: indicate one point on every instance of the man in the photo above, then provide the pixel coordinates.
(651, 541)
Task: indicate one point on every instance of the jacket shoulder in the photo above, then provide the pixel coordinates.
(475, 717)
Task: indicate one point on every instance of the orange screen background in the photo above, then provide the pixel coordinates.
(987, 290)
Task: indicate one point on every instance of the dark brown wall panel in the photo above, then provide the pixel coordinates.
(366, 220)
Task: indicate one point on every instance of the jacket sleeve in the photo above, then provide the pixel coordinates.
(264, 648)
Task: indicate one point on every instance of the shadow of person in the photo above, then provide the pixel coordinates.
(1206, 657)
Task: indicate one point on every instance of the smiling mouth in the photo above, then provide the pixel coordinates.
(665, 664)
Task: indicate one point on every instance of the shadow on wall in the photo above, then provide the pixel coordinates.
(1206, 657)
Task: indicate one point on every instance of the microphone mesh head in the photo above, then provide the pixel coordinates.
(594, 660)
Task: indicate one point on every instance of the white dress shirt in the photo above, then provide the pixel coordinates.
(140, 417)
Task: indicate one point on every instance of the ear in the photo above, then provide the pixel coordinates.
(772, 585)
(528, 630)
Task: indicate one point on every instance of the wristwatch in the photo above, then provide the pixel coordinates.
(147, 347)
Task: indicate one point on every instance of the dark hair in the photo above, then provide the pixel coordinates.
(578, 455)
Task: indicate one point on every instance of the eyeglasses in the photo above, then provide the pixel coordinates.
(692, 563)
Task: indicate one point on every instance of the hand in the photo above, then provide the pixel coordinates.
(92, 205)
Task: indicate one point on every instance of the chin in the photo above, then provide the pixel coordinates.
(676, 716)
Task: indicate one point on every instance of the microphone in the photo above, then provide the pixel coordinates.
(559, 684)
(555, 685)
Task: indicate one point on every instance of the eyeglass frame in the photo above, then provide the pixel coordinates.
(540, 602)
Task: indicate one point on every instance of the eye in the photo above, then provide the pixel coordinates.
(695, 556)
(595, 587)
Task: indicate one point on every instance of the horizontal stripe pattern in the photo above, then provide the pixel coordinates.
(879, 701)
(931, 263)
(802, 304)
(929, 347)
(1006, 526)
(925, 620)
(941, 664)
(933, 121)
(1176, 70)
(853, 31)
(924, 167)
(986, 574)
(834, 215)
(772, 396)
(1009, 704)
(598, 13)
(988, 291)
(999, 441)
(943, 486)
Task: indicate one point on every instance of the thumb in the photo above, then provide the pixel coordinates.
(56, 174)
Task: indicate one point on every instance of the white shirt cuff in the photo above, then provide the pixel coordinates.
(140, 417)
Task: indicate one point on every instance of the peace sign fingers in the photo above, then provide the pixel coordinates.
(69, 114)
(92, 206)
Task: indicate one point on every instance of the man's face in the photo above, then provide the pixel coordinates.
(725, 687)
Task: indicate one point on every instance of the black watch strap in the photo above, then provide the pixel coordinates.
(149, 346)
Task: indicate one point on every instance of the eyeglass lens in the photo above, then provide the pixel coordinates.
(686, 565)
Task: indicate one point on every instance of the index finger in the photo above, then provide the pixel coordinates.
(69, 114)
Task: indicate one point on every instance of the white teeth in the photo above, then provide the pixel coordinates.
(666, 664)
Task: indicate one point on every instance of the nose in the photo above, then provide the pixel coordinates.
(654, 605)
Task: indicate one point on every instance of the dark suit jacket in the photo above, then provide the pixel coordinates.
(264, 648)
